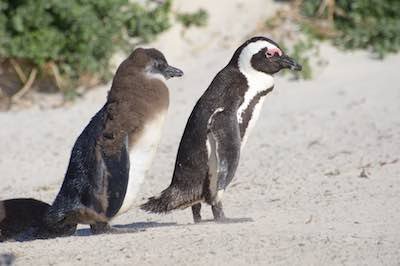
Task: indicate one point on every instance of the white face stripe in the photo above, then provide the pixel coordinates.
(248, 52)
(257, 81)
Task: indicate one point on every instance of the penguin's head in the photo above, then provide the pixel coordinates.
(154, 63)
(262, 55)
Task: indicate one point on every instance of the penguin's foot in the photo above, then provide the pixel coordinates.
(106, 228)
(218, 212)
(100, 228)
(196, 212)
(220, 217)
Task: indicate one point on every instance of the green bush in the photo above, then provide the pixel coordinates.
(198, 18)
(78, 37)
(350, 24)
(365, 24)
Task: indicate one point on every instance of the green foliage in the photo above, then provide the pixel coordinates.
(198, 18)
(365, 24)
(300, 54)
(301, 51)
(145, 23)
(78, 36)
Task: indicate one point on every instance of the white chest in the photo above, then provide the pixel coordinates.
(252, 122)
(141, 157)
(257, 83)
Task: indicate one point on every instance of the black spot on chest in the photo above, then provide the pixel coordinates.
(248, 112)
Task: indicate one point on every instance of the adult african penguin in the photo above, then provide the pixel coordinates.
(218, 127)
(109, 159)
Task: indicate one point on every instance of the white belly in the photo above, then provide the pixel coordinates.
(252, 122)
(257, 82)
(141, 157)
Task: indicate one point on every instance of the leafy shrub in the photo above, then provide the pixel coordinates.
(198, 18)
(365, 24)
(349, 24)
(145, 23)
(300, 52)
(71, 39)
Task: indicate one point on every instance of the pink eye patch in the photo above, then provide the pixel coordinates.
(273, 52)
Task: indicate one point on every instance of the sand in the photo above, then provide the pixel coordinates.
(319, 177)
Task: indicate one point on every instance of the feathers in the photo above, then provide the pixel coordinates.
(19, 215)
(170, 199)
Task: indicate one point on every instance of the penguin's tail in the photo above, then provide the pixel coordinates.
(170, 199)
(20, 215)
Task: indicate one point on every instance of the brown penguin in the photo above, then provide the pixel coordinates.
(109, 159)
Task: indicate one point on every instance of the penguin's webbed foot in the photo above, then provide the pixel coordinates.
(196, 208)
(218, 212)
(220, 217)
(100, 228)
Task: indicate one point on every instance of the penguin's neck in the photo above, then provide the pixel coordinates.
(258, 85)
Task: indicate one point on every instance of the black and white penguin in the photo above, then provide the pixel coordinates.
(218, 128)
(109, 159)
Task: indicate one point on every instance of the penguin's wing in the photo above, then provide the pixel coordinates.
(112, 177)
(224, 141)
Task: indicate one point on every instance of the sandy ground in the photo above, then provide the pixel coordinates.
(319, 177)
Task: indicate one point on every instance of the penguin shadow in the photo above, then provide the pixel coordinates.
(127, 228)
(142, 226)
(7, 259)
(227, 221)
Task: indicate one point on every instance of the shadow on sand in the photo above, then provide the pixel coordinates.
(142, 226)
(133, 227)
(228, 221)
(136, 227)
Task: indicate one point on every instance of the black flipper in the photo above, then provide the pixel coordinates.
(225, 142)
(117, 167)
(224, 137)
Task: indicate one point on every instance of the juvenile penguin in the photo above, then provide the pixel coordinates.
(218, 127)
(109, 159)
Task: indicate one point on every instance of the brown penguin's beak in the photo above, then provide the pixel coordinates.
(170, 72)
(287, 62)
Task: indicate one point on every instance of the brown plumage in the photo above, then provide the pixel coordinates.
(97, 185)
(129, 107)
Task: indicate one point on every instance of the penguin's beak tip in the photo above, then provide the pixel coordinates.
(172, 72)
(296, 67)
(288, 62)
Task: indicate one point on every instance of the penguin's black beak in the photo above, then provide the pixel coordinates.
(170, 72)
(287, 62)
